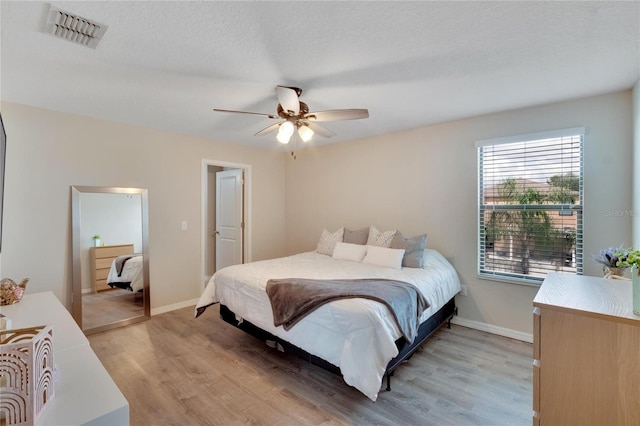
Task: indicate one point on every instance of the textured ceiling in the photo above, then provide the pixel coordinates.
(165, 65)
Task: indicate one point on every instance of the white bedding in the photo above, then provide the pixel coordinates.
(131, 272)
(357, 335)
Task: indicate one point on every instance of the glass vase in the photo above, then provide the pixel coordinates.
(635, 289)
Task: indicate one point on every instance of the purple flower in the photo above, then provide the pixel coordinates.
(611, 256)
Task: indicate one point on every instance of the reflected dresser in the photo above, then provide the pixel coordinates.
(101, 259)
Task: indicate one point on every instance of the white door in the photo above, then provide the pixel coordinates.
(229, 218)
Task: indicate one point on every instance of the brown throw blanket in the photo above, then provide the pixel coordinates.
(121, 260)
(294, 298)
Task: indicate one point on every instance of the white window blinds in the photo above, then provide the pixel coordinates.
(530, 195)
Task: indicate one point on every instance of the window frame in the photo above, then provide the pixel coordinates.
(519, 278)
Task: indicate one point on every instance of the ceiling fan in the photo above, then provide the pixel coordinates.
(296, 116)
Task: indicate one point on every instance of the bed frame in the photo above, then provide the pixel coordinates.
(124, 285)
(405, 350)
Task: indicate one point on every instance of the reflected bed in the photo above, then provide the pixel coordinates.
(126, 273)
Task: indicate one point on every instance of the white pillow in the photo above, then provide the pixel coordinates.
(382, 256)
(347, 251)
(380, 239)
(328, 241)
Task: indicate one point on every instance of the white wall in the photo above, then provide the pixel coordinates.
(636, 165)
(47, 152)
(425, 180)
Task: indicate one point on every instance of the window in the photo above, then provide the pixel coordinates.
(530, 205)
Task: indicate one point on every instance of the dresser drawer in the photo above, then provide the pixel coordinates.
(101, 285)
(102, 274)
(104, 263)
(113, 251)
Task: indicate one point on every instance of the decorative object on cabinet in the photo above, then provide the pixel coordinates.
(585, 350)
(96, 240)
(101, 259)
(10, 292)
(614, 273)
(26, 373)
(610, 259)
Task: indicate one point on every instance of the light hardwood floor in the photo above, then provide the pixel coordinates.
(110, 306)
(177, 370)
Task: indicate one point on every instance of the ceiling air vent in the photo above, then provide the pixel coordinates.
(74, 28)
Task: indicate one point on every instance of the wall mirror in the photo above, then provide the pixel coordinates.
(110, 236)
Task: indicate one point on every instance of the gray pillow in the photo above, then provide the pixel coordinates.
(413, 249)
(356, 237)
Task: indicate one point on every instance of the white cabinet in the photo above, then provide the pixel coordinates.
(84, 391)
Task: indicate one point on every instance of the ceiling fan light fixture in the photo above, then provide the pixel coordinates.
(285, 131)
(305, 133)
(295, 116)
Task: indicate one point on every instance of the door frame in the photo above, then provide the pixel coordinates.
(246, 246)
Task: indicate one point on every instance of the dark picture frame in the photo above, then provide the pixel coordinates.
(3, 155)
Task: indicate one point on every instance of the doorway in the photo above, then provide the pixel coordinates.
(226, 224)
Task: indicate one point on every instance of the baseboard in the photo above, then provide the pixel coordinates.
(494, 329)
(169, 308)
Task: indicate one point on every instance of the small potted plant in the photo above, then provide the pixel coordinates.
(96, 240)
(632, 260)
(610, 259)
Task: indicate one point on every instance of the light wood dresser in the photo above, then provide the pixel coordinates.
(586, 350)
(101, 260)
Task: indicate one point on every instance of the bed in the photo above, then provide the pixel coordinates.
(126, 273)
(357, 338)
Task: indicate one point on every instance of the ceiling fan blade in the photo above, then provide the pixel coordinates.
(337, 115)
(320, 130)
(288, 99)
(268, 129)
(246, 112)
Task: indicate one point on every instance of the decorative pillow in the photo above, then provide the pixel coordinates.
(413, 249)
(356, 237)
(382, 256)
(378, 238)
(346, 251)
(328, 241)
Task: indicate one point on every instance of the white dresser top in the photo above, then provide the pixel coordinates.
(44, 309)
(592, 296)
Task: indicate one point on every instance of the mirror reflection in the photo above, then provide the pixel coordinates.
(110, 257)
